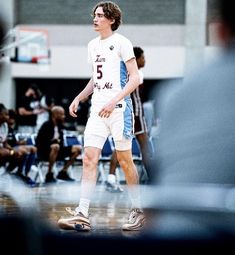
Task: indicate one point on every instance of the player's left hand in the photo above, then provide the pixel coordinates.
(106, 111)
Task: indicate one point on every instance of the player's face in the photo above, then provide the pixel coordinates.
(100, 22)
(141, 61)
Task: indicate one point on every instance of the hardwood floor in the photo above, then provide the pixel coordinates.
(45, 204)
(108, 211)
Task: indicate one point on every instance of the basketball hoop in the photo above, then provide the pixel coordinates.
(36, 46)
(29, 45)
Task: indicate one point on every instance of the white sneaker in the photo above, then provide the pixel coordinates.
(136, 220)
(113, 187)
(78, 222)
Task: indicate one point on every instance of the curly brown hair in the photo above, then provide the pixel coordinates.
(111, 12)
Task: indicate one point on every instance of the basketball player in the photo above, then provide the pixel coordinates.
(141, 132)
(115, 76)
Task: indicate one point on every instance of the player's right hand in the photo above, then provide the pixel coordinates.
(73, 108)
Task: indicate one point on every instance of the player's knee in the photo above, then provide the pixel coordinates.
(89, 160)
(122, 162)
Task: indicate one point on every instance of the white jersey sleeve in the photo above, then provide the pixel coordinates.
(141, 75)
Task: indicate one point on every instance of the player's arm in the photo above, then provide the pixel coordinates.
(131, 85)
(133, 82)
(84, 94)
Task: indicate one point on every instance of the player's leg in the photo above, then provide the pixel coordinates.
(136, 219)
(122, 130)
(94, 140)
(80, 216)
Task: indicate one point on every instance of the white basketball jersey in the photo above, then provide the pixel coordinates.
(141, 75)
(110, 75)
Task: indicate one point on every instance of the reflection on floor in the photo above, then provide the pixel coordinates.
(189, 219)
(108, 211)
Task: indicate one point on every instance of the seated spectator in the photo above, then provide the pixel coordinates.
(8, 155)
(28, 151)
(50, 145)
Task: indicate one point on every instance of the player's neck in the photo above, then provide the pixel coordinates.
(106, 34)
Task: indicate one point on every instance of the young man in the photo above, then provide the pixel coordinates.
(141, 132)
(115, 76)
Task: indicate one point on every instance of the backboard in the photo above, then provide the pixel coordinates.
(32, 45)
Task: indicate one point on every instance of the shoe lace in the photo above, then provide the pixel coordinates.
(70, 211)
(133, 214)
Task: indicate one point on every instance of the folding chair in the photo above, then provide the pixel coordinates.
(70, 140)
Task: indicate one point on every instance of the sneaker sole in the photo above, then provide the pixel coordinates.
(78, 225)
(137, 227)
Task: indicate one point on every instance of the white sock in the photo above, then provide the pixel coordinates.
(136, 203)
(134, 194)
(83, 207)
(112, 178)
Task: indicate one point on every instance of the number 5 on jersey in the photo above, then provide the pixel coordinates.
(99, 72)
